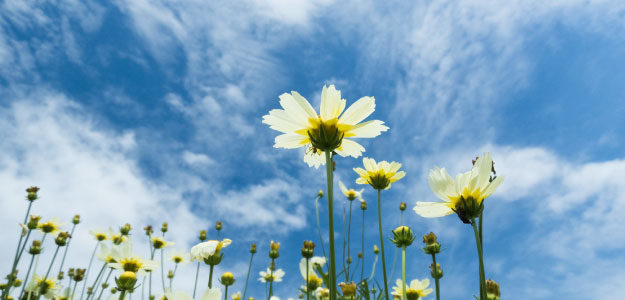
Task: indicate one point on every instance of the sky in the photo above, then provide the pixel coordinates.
(150, 111)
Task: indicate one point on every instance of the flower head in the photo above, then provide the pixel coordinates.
(212, 294)
(236, 296)
(379, 175)
(99, 235)
(47, 287)
(205, 250)
(269, 276)
(177, 295)
(331, 130)
(127, 261)
(351, 194)
(51, 227)
(159, 243)
(464, 195)
(416, 290)
(179, 257)
(107, 254)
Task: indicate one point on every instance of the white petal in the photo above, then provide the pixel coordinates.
(314, 160)
(394, 167)
(297, 107)
(358, 111)
(492, 186)
(331, 103)
(368, 129)
(280, 120)
(399, 175)
(432, 209)
(369, 164)
(360, 171)
(350, 148)
(480, 173)
(343, 188)
(212, 294)
(289, 141)
(441, 184)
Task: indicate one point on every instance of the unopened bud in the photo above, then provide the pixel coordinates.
(376, 250)
(90, 290)
(360, 256)
(35, 248)
(148, 230)
(105, 285)
(32, 193)
(308, 249)
(76, 220)
(17, 283)
(320, 194)
(126, 281)
(227, 279)
(61, 239)
(79, 274)
(402, 206)
(164, 227)
(363, 205)
(403, 236)
(202, 236)
(274, 248)
(431, 244)
(71, 273)
(348, 289)
(492, 290)
(32, 223)
(170, 274)
(438, 273)
(125, 230)
(218, 225)
(113, 290)
(60, 276)
(300, 296)
(349, 260)
(253, 248)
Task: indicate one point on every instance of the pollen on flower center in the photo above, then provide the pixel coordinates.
(131, 265)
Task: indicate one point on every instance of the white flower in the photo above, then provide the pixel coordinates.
(322, 293)
(205, 249)
(179, 257)
(314, 261)
(236, 296)
(297, 119)
(108, 255)
(49, 286)
(127, 261)
(379, 175)
(473, 185)
(212, 294)
(416, 287)
(177, 295)
(268, 276)
(51, 227)
(99, 234)
(351, 194)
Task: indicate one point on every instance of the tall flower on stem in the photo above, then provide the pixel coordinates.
(432, 247)
(351, 195)
(464, 196)
(249, 268)
(402, 238)
(210, 253)
(202, 238)
(380, 176)
(324, 134)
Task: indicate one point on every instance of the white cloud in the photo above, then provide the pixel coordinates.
(196, 158)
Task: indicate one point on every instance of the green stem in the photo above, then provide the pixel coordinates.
(74, 289)
(319, 227)
(5, 294)
(105, 281)
(271, 276)
(349, 231)
(375, 261)
(330, 180)
(162, 270)
(150, 277)
(25, 283)
(362, 249)
(210, 277)
(197, 272)
(19, 256)
(480, 255)
(306, 284)
(438, 292)
(66, 248)
(52, 262)
(395, 254)
(82, 293)
(226, 293)
(403, 272)
(94, 287)
(122, 295)
(382, 244)
(171, 280)
(249, 270)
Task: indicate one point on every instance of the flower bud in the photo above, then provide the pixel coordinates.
(360, 256)
(164, 227)
(148, 230)
(308, 249)
(348, 289)
(438, 273)
(431, 244)
(376, 250)
(71, 273)
(35, 248)
(125, 230)
(61, 239)
(363, 205)
(227, 279)
(170, 274)
(76, 220)
(158, 243)
(402, 206)
(492, 290)
(32, 223)
(60, 276)
(113, 290)
(90, 290)
(79, 274)
(126, 281)
(214, 259)
(274, 248)
(218, 225)
(403, 236)
(105, 285)
(17, 283)
(320, 194)
(32, 193)
(202, 236)
(300, 296)
(253, 248)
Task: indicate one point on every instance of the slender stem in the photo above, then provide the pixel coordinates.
(150, 275)
(162, 270)
(382, 244)
(271, 276)
(362, 249)
(482, 288)
(105, 281)
(94, 287)
(319, 227)
(34, 272)
(403, 272)
(19, 256)
(349, 231)
(89, 269)
(395, 254)
(71, 234)
(480, 254)
(210, 277)
(375, 261)
(197, 272)
(74, 289)
(344, 243)
(226, 293)
(171, 280)
(25, 283)
(122, 295)
(249, 269)
(17, 251)
(330, 180)
(52, 262)
(306, 284)
(435, 271)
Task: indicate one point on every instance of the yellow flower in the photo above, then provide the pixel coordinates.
(298, 122)
(236, 296)
(99, 235)
(416, 290)
(51, 227)
(466, 191)
(48, 287)
(350, 193)
(159, 243)
(379, 175)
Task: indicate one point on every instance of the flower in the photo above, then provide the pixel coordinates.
(271, 276)
(107, 254)
(462, 195)
(331, 130)
(127, 261)
(116, 237)
(51, 227)
(179, 257)
(417, 289)
(322, 293)
(236, 296)
(314, 280)
(351, 194)
(379, 175)
(99, 235)
(177, 295)
(47, 287)
(159, 243)
(203, 250)
(212, 294)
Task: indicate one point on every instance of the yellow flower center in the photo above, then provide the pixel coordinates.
(100, 236)
(351, 194)
(48, 227)
(412, 294)
(177, 259)
(131, 264)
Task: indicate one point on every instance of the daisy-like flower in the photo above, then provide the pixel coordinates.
(322, 293)
(159, 243)
(268, 276)
(379, 175)
(331, 130)
(416, 290)
(179, 257)
(351, 194)
(108, 254)
(236, 296)
(464, 195)
(99, 235)
(206, 249)
(212, 294)
(116, 237)
(48, 288)
(51, 227)
(313, 279)
(127, 261)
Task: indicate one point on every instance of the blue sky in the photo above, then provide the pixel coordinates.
(150, 111)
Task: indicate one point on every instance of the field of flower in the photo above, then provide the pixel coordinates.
(329, 271)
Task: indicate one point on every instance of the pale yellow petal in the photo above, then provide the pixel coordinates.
(384, 165)
(369, 129)
(358, 111)
(314, 160)
(331, 103)
(350, 148)
(441, 184)
(279, 120)
(289, 141)
(369, 164)
(490, 188)
(297, 107)
(394, 167)
(361, 180)
(432, 209)
(360, 172)
(399, 175)
(343, 188)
